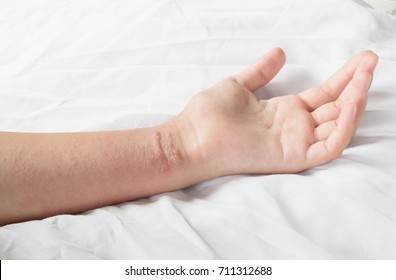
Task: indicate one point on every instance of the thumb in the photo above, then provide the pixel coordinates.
(262, 70)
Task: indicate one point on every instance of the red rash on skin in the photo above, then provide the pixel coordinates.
(172, 153)
(165, 152)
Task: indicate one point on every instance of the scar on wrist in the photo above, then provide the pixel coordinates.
(165, 153)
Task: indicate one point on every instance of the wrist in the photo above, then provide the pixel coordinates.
(182, 156)
(170, 158)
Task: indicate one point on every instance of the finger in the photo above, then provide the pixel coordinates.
(327, 112)
(323, 131)
(355, 92)
(263, 70)
(358, 94)
(325, 150)
(331, 89)
(331, 142)
(325, 115)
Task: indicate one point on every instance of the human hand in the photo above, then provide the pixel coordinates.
(231, 131)
(223, 130)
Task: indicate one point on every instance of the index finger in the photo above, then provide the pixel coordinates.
(332, 88)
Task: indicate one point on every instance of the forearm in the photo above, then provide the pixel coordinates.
(47, 174)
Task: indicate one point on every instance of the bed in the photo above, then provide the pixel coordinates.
(86, 65)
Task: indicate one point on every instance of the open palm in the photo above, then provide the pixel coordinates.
(235, 132)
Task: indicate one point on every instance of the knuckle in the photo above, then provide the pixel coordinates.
(326, 89)
(261, 73)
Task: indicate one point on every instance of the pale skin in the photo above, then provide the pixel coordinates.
(223, 130)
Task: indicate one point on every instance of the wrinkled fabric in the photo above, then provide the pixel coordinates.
(107, 65)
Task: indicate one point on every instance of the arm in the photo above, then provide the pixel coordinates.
(48, 174)
(223, 130)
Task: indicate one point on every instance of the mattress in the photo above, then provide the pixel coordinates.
(86, 65)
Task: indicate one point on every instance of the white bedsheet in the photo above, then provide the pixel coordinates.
(105, 65)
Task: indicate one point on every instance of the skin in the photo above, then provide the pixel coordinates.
(223, 130)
